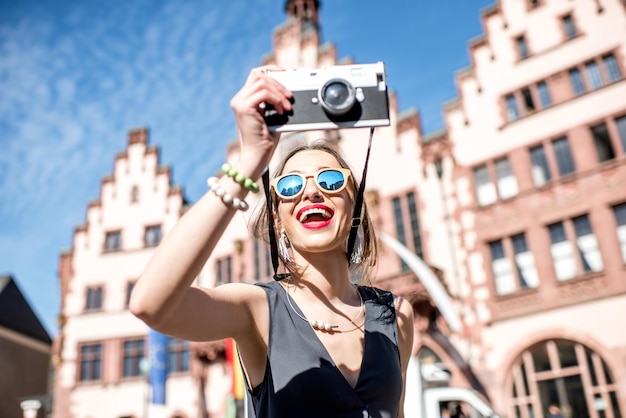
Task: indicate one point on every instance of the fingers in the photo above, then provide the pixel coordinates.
(260, 89)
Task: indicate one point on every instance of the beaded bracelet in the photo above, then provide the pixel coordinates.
(227, 198)
(246, 182)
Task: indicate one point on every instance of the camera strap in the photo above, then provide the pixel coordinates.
(270, 221)
(356, 216)
(358, 204)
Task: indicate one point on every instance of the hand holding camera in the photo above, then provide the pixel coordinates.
(332, 97)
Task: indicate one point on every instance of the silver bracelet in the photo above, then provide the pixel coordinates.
(227, 198)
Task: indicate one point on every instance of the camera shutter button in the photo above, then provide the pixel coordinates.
(360, 96)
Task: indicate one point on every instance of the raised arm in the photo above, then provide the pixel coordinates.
(163, 296)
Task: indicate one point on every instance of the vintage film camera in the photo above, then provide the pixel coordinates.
(342, 96)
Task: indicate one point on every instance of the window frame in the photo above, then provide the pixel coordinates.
(505, 175)
(135, 353)
(91, 358)
(577, 81)
(573, 237)
(152, 235)
(178, 352)
(540, 161)
(620, 226)
(569, 17)
(91, 292)
(490, 185)
(603, 142)
(116, 235)
(505, 265)
(522, 47)
(545, 97)
(607, 70)
(224, 270)
(563, 165)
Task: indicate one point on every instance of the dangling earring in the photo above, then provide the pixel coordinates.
(357, 252)
(283, 245)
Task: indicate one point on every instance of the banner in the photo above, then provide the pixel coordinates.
(157, 349)
(232, 357)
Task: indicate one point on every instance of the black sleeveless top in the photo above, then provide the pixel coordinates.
(301, 379)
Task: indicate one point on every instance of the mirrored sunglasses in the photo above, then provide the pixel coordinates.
(328, 180)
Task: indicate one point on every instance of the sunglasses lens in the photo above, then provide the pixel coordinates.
(330, 180)
(289, 186)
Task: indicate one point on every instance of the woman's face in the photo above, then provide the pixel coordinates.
(315, 221)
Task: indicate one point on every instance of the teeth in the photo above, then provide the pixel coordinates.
(314, 211)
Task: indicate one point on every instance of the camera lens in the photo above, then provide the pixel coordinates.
(337, 96)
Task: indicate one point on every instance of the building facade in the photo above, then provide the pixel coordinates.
(25, 349)
(538, 204)
(518, 206)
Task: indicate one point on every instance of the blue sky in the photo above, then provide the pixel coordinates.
(75, 76)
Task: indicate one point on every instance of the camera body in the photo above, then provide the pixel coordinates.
(332, 97)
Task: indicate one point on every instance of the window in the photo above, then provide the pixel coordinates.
(502, 269)
(399, 220)
(134, 352)
(563, 154)
(561, 372)
(602, 141)
(90, 362)
(568, 26)
(529, 103)
(576, 81)
(152, 236)
(612, 68)
(507, 279)
(485, 190)
(563, 255)
(587, 244)
(113, 241)
(621, 130)
(524, 262)
(593, 75)
(562, 252)
(620, 221)
(415, 225)
(177, 355)
(223, 268)
(134, 194)
(93, 301)
(512, 112)
(262, 261)
(540, 168)
(522, 47)
(408, 233)
(507, 183)
(544, 94)
(129, 291)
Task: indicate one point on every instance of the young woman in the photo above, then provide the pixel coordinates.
(312, 344)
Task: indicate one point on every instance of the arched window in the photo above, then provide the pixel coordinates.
(565, 374)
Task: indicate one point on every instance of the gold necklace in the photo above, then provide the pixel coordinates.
(325, 326)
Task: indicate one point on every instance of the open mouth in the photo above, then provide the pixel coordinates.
(315, 216)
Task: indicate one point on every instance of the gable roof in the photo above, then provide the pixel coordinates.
(16, 313)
